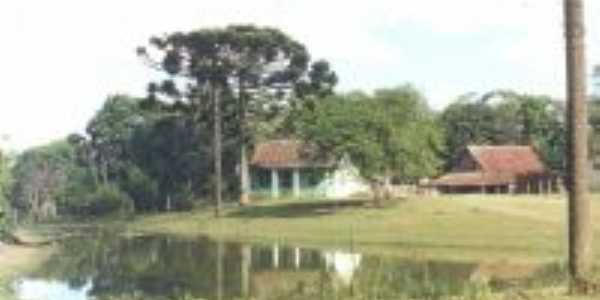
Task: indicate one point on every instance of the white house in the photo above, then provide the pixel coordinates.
(290, 167)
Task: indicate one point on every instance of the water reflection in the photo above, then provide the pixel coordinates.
(163, 267)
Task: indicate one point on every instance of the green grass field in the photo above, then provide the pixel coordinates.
(523, 228)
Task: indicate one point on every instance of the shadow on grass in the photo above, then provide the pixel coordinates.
(298, 209)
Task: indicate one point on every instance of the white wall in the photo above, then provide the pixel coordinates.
(344, 181)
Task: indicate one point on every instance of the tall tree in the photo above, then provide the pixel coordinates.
(110, 130)
(390, 134)
(241, 65)
(40, 174)
(467, 121)
(173, 153)
(580, 225)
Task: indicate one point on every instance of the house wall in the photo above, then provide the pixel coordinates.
(310, 182)
(341, 182)
(345, 181)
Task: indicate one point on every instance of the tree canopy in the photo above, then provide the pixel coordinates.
(390, 134)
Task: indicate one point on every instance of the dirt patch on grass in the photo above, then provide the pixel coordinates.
(17, 259)
(504, 270)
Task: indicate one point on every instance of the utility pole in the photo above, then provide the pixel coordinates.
(580, 227)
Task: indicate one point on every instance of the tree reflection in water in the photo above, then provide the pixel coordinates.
(108, 266)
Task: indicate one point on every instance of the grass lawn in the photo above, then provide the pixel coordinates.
(520, 228)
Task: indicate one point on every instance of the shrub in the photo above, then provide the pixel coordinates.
(142, 189)
(183, 200)
(108, 199)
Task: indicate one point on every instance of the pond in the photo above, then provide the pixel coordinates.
(108, 266)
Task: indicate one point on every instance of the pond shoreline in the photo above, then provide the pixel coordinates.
(17, 260)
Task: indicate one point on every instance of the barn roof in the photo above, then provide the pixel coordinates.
(281, 154)
(496, 165)
(519, 160)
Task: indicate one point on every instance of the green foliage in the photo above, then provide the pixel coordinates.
(142, 189)
(177, 157)
(5, 181)
(513, 119)
(256, 74)
(391, 133)
(108, 199)
(50, 181)
(110, 131)
(40, 177)
(255, 68)
(71, 195)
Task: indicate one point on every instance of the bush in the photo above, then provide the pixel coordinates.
(142, 189)
(183, 198)
(108, 199)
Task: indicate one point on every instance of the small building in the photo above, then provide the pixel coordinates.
(293, 168)
(498, 169)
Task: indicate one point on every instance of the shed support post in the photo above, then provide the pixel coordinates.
(274, 183)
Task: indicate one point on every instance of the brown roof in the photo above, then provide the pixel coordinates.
(497, 165)
(288, 154)
(518, 160)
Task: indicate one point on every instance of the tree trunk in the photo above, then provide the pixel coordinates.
(580, 228)
(377, 189)
(387, 188)
(168, 203)
(244, 176)
(244, 169)
(217, 149)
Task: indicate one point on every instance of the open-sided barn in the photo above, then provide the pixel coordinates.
(498, 169)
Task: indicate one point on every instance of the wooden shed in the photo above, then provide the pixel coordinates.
(498, 169)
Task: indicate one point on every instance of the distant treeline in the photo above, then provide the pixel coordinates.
(157, 152)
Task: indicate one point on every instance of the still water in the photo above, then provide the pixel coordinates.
(109, 266)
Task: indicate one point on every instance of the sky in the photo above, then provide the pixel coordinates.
(60, 59)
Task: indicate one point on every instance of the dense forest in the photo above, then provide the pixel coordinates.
(188, 140)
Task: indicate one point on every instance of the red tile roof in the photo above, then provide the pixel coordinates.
(287, 154)
(518, 160)
(496, 165)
